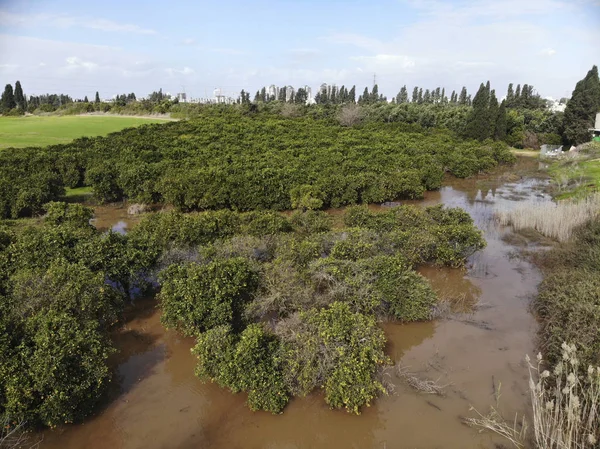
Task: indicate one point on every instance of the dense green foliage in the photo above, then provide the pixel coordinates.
(281, 310)
(195, 297)
(226, 159)
(279, 305)
(62, 286)
(581, 110)
(568, 301)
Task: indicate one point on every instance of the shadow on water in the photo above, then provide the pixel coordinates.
(474, 349)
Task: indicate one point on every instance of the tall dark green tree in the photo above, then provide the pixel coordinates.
(97, 100)
(463, 96)
(420, 99)
(415, 94)
(517, 99)
(7, 101)
(510, 95)
(85, 100)
(427, 97)
(402, 96)
(500, 129)
(443, 98)
(19, 97)
(493, 113)
(478, 123)
(365, 96)
(375, 94)
(453, 97)
(581, 109)
(352, 95)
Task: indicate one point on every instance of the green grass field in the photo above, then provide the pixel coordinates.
(29, 131)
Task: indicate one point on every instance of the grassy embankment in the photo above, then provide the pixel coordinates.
(20, 132)
(579, 175)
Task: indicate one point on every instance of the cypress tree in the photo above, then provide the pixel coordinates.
(85, 100)
(365, 96)
(19, 97)
(342, 95)
(517, 99)
(525, 95)
(463, 96)
(97, 100)
(375, 94)
(443, 97)
(420, 99)
(478, 124)
(493, 113)
(352, 95)
(402, 96)
(257, 97)
(510, 95)
(453, 97)
(581, 109)
(415, 94)
(7, 101)
(500, 131)
(426, 96)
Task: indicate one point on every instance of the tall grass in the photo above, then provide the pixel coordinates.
(565, 407)
(554, 220)
(565, 403)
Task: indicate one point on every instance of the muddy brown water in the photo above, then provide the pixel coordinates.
(477, 351)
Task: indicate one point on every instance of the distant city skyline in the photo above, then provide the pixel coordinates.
(78, 48)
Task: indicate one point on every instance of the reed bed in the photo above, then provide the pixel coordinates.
(554, 220)
(565, 407)
(566, 403)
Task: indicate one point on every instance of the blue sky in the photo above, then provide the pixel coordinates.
(78, 47)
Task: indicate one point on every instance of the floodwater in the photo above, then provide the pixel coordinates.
(477, 351)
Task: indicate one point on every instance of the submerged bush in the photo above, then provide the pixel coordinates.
(245, 362)
(338, 350)
(195, 298)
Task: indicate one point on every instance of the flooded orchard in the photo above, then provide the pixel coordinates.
(476, 351)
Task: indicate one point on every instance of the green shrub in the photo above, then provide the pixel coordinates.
(195, 298)
(404, 294)
(61, 370)
(338, 350)
(310, 222)
(248, 362)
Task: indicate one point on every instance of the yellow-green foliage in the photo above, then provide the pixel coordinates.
(20, 132)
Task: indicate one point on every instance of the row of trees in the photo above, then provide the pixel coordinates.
(522, 97)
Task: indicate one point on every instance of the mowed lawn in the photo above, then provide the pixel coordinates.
(30, 131)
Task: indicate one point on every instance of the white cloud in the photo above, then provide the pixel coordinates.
(185, 71)
(189, 41)
(548, 52)
(73, 62)
(67, 21)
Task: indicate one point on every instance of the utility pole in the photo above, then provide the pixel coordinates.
(374, 79)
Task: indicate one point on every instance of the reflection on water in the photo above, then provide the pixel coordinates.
(160, 404)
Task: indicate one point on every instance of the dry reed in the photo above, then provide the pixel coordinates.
(554, 220)
(423, 385)
(566, 409)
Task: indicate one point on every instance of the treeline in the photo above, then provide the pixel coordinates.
(228, 158)
(279, 305)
